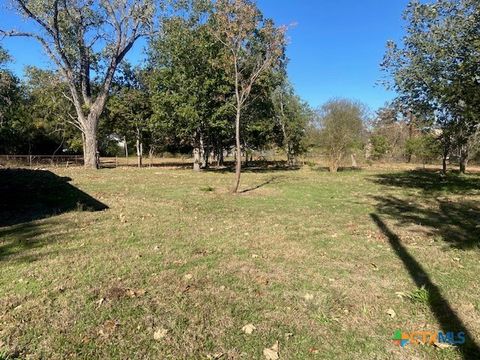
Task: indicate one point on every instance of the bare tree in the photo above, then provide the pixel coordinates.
(85, 37)
(253, 46)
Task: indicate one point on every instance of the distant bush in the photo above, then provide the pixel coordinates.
(380, 146)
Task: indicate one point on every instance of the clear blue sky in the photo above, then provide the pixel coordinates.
(335, 47)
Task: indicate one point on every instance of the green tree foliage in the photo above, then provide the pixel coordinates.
(50, 113)
(9, 88)
(436, 71)
(341, 124)
(129, 111)
(253, 46)
(380, 146)
(425, 147)
(191, 100)
(86, 41)
(292, 115)
(12, 126)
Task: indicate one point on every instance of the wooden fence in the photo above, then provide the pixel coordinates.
(41, 160)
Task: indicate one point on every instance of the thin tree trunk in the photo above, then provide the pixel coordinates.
(238, 165)
(202, 152)
(206, 155)
(150, 155)
(139, 147)
(463, 159)
(196, 158)
(444, 160)
(245, 151)
(220, 156)
(410, 135)
(354, 161)
(126, 148)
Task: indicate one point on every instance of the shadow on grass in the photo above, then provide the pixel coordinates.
(457, 222)
(27, 195)
(439, 306)
(23, 237)
(260, 166)
(431, 181)
(253, 188)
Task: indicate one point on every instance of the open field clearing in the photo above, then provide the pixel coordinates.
(172, 266)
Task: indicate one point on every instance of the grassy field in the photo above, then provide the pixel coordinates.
(172, 266)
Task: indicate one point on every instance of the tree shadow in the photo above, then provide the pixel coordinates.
(444, 313)
(23, 239)
(253, 188)
(431, 181)
(27, 195)
(457, 222)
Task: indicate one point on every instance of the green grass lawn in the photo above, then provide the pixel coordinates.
(330, 266)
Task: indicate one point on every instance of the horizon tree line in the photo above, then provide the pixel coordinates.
(215, 81)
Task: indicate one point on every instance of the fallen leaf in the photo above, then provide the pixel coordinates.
(249, 329)
(100, 302)
(442, 345)
(136, 293)
(391, 313)
(160, 334)
(308, 297)
(108, 328)
(271, 353)
(215, 356)
(122, 218)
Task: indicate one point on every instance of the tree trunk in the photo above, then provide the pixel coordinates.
(238, 145)
(220, 156)
(335, 163)
(196, 158)
(354, 161)
(206, 156)
(90, 147)
(150, 155)
(444, 161)
(333, 168)
(410, 135)
(463, 159)
(139, 147)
